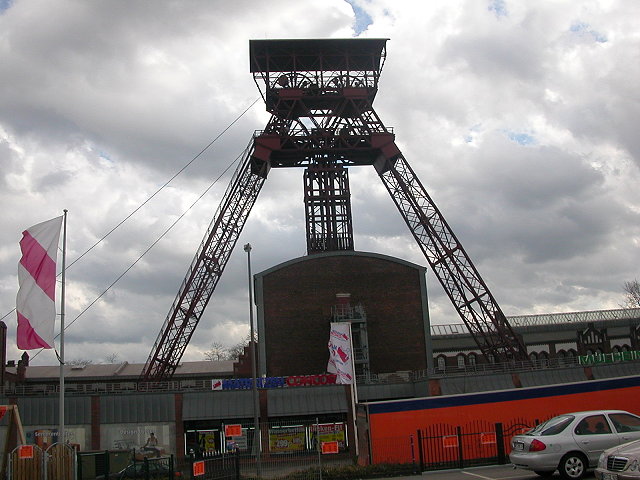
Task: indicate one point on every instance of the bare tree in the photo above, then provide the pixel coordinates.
(112, 358)
(238, 349)
(631, 294)
(217, 352)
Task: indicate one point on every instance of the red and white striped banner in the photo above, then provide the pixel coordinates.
(340, 354)
(37, 285)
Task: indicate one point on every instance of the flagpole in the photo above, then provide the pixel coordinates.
(61, 435)
(354, 392)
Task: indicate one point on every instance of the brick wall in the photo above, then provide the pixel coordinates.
(297, 310)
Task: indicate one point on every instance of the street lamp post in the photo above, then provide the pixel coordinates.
(254, 376)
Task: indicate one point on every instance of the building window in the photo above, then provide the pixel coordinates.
(472, 359)
(442, 362)
(461, 361)
(544, 359)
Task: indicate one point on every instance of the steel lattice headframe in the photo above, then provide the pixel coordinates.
(320, 95)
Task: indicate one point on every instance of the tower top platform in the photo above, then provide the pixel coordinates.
(316, 55)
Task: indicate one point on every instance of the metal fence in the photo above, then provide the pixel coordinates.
(109, 464)
(218, 466)
(443, 446)
(516, 321)
(30, 462)
(291, 448)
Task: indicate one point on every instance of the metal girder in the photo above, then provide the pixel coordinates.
(320, 94)
(449, 261)
(327, 201)
(206, 268)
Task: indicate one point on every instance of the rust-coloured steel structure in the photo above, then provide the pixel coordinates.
(327, 201)
(320, 95)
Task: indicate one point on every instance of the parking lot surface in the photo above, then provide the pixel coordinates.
(499, 472)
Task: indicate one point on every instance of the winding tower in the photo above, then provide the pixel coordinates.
(320, 95)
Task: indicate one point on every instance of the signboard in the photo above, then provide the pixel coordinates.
(450, 441)
(329, 447)
(25, 451)
(198, 468)
(609, 357)
(233, 430)
(488, 438)
(207, 440)
(289, 439)
(273, 382)
(329, 432)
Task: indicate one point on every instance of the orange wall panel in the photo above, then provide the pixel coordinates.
(401, 419)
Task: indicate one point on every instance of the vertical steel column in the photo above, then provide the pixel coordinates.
(327, 202)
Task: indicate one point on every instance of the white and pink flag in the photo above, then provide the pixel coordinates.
(340, 352)
(37, 285)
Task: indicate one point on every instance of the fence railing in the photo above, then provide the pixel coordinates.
(30, 462)
(372, 378)
(443, 446)
(517, 321)
(218, 466)
(107, 464)
(286, 446)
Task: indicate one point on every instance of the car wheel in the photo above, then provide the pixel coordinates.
(573, 466)
(545, 473)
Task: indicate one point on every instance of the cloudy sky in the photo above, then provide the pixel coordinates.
(519, 117)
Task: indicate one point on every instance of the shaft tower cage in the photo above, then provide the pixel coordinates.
(320, 95)
(327, 201)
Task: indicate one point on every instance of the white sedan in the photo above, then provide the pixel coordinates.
(573, 442)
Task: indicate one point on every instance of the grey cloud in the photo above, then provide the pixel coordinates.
(103, 102)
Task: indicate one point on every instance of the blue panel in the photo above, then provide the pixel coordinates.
(502, 396)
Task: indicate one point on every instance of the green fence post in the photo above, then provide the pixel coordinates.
(500, 444)
(420, 452)
(460, 452)
(237, 453)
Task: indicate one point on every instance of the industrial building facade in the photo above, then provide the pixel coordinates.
(400, 355)
(296, 301)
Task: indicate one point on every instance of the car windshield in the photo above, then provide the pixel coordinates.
(552, 426)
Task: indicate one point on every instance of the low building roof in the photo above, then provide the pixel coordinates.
(124, 370)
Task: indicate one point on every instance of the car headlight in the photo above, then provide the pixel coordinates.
(633, 467)
(602, 460)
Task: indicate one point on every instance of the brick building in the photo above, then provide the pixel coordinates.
(296, 301)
